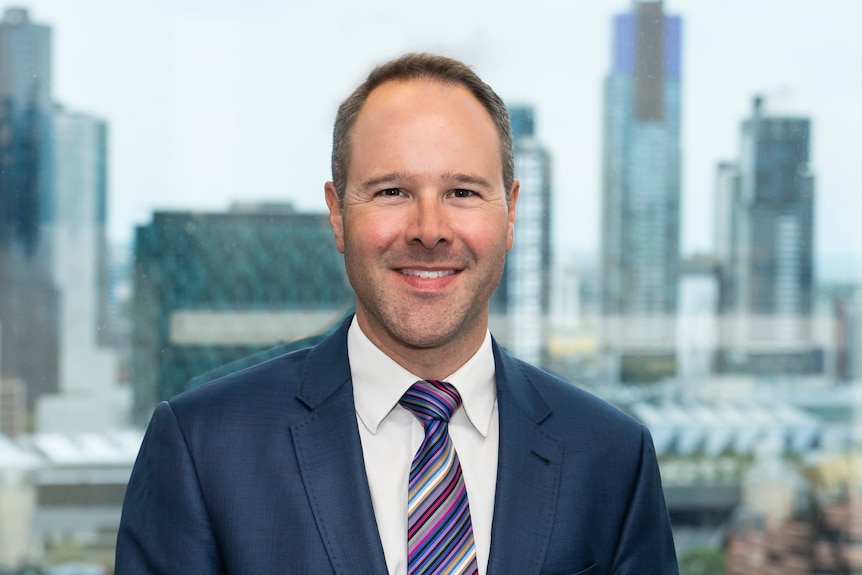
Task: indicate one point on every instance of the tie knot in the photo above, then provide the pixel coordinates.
(431, 399)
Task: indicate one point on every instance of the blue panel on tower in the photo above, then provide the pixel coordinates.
(625, 43)
(672, 46)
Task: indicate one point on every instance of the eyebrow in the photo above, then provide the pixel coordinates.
(456, 178)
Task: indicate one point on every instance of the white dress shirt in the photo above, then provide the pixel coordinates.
(391, 435)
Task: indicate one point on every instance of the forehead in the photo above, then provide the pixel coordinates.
(420, 110)
(401, 100)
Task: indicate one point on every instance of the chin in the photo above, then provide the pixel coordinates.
(430, 340)
(424, 328)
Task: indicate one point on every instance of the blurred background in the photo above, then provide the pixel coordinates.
(687, 244)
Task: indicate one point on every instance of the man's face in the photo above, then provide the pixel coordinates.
(425, 224)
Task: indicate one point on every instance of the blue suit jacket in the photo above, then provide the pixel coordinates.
(262, 472)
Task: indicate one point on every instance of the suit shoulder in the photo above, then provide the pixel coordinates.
(272, 380)
(574, 407)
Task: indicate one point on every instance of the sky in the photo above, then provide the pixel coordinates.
(210, 102)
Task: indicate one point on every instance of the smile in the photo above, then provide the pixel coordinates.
(426, 274)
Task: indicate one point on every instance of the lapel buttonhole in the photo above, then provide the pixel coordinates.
(541, 457)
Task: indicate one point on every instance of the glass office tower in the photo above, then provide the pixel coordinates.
(527, 280)
(28, 299)
(767, 242)
(641, 186)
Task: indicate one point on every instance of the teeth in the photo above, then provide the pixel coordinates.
(425, 274)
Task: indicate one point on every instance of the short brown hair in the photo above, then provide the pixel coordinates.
(411, 67)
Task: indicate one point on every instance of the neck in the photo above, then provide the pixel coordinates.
(433, 364)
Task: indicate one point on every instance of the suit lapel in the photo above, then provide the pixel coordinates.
(528, 474)
(329, 453)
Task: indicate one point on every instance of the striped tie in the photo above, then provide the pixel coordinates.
(439, 530)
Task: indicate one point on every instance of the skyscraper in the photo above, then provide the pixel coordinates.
(526, 284)
(28, 300)
(768, 242)
(79, 236)
(25, 130)
(641, 180)
(77, 233)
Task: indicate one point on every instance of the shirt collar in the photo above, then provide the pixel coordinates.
(379, 381)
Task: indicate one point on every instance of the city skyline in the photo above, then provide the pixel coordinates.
(219, 109)
(212, 123)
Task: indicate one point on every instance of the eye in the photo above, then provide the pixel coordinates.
(390, 193)
(461, 193)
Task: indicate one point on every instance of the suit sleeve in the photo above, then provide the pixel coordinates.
(165, 528)
(646, 543)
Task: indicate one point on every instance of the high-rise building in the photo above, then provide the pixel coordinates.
(25, 131)
(87, 398)
(214, 288)
(767, 244)
(79, 254)
(641, 183)
(28, 300)
(525, 289)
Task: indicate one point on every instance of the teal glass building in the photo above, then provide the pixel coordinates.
(228, 289)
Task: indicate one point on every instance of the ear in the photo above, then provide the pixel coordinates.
(513, 199)
(336, 219)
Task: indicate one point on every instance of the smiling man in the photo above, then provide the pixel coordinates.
(408, 442)
(424, 220)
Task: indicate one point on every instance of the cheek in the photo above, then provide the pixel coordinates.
(487, 233)
(368, 236)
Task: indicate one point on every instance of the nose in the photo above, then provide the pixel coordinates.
(430, 222)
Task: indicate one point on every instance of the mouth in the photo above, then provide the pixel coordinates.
(426, 274)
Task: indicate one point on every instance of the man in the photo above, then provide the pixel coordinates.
(318, 461)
